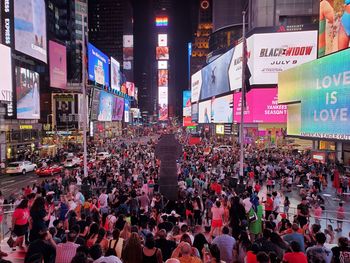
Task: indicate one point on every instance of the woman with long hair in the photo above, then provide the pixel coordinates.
(102, 239)
(151, 254)
(92, 235)
(199, 242)
(20, 222)
(242, 246)
(237, 216)
(132, 251)
(212, 255)
(115, 243)
(38, 218)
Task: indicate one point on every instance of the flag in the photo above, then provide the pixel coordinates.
(247, 74)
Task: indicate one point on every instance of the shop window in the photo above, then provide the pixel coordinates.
(26, 136)
(327, 145)
(15, 136)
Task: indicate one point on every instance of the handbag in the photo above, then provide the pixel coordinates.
(253, 218)
(11, 241)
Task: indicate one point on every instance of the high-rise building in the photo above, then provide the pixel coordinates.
(227, 18)
(108, 22)
(200, 45)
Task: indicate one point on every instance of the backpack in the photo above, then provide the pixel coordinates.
(111, 250)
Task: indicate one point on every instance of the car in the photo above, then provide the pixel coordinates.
(103, 156)
(21, 167)
(49, 170)
(72, 162)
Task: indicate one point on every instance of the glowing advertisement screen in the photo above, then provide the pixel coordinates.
(30, 28)
(130, 86)
(162, 64)
(215, 80)
(115, 75)
(105, 106)
(118, 109)
(6, 74)
(194, 111)
(163, 103)
(162, 53)
(262, 107)
(222, 109)
(27, 94)
(186, 103)
(323, 89)
(275, 52)
(204, 112)
(98, 66)
(126, 110)
(196, 85)
(58, 65)
(163, 78)
(334, 26)
(162, 40)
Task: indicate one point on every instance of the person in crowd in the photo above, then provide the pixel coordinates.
(97, 256)
(226, 244)
(132, 251)
(66, 251)
(115, 244)
(20, 222)
(341, 253)
(295, 236)
(150, 253)
(42, 249)
(183, 253)
(318, 252)
(38, 218)
(167, 246)
(295, 254)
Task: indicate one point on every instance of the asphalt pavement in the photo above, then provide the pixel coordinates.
(10, 184)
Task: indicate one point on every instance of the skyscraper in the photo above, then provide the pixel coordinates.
(200, 45)
(108, 22)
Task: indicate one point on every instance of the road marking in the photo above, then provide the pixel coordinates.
(8, 182)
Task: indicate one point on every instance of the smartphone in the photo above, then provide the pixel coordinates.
(206, 246)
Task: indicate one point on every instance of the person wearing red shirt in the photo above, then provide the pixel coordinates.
(257, 187)
(268, 206)
(295, 255)
(20, 222)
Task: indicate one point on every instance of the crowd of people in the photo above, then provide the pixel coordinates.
(118, 214)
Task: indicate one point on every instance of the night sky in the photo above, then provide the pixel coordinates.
(183, 19)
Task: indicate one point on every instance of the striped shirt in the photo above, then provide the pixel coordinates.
(65, 252)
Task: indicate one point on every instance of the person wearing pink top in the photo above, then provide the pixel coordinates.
(217, 215)
(340, 217)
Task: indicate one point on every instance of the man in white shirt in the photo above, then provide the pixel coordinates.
(276, 204)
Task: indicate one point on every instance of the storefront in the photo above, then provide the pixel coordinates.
(22, 140)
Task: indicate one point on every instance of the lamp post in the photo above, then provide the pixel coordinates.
(84, 101)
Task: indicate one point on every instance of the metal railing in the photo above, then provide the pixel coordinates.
(6, 220)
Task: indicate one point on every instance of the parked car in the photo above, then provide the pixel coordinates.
(49, 170)
(103, 155)
(20, 167)
(72, 162)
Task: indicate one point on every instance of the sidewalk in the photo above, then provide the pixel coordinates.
(13, 256)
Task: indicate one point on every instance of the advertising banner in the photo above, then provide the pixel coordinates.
(7, 28)
(98, 66)
(220, 129)
(6, 88)
(205, 112)
(95, 104)
(222, 109)
(128, 41)
(276, 52)
(215, 76)
(194, 111)
(323, 89)
(196, 85)
(118, 109)
(115, 74)
(163, 103)
(186, 103)
(126, 110)
(235, 68)
(30, 28)
(162, 53)
(105, 107)
(130, 86)
(334, 26)
(262, 107)
(162, 64)
(27, 94)
(163, 78)
(58, 65)
(162, 40)
(66, 111)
